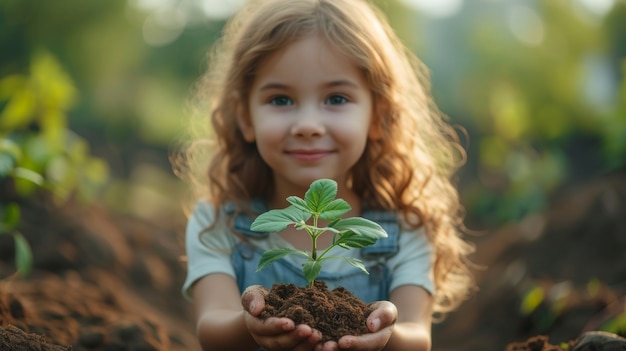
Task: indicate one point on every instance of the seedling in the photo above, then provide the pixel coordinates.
(319, 203)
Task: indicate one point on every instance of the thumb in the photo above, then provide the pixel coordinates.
(384, 314)
(253, 299)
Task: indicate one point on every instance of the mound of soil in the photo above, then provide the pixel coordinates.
(560, 273)
(99, 282)
(13, 338)
(87, 314)
(589, 341)
(538, 343)
(334, 313)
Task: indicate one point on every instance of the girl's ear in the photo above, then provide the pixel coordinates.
(243, 120)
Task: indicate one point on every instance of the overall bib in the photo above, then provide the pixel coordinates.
(369, 288)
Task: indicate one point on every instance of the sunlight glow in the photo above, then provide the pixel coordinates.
(436, 8)
(163, 27)
(220, 9)
(598, 7)
(526, 24)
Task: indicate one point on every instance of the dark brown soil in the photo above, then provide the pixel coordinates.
(13, 338)
(95, 313)
(538, 343)
(99, 282)
(573, 252)
(588, 341)
(334, 313)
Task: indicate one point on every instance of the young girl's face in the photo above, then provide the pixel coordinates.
(310, 114)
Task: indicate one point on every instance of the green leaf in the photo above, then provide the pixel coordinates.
(357, 232)
(320, 194)
(311, 270)
(10, 217)
(19, 110)
(7, 163)
(356, 263)
(10, 154)
(271, 256)
(23, 254)
(350, 239)
(360, 226)
(298, 203)
(335, 209)
(531, 300)
(277, 220)
(27, 174)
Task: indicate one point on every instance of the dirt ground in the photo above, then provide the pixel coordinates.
(104, 282)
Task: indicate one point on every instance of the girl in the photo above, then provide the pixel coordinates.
(300, 90)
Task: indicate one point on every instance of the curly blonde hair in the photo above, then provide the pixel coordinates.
(408, 170)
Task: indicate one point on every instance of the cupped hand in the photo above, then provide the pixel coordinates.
(275, 334)
(380, 324)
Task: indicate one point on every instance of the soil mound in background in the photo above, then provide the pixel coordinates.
(99, 282)
(558, 273)
(13, 338)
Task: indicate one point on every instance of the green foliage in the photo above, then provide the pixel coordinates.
(37, 150)
(531, 300)
(319, 203)
(10, 220)
(532, 126)
(616, 325)
(541, 115)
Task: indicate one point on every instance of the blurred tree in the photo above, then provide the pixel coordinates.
(537, 92)
(36, 147)
(131, 94)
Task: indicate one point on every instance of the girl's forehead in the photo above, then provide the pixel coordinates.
(311, 44)
(312, 48)
(307, 63)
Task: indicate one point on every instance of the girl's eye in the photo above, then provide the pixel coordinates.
(281, 101)
(336, 100)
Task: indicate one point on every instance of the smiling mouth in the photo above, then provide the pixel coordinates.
(309, 155)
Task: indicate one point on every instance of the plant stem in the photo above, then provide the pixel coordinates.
(314, 236)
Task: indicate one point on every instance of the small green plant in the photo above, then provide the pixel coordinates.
(319, 203)
(38, 150)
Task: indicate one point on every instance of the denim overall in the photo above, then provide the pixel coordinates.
(369, 288)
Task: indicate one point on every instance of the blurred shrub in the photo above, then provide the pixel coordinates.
(37, 150)
(543, 115)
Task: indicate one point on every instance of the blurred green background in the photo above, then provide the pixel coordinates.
(92, 95)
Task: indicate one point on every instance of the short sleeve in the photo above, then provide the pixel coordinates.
(208, 246)
(413, 264)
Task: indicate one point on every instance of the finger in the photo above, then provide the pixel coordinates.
(309, 343)
(315, 336)
(253, 299)
(298, 339)
(269, 327)
(330, 346)
(371, 341)
(384, 314)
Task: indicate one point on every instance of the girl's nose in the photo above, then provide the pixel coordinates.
(308, 123)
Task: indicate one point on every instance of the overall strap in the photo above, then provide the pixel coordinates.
(242, 221)
(385, 247)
